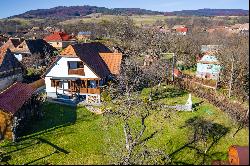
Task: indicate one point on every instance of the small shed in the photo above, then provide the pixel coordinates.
(17, 106)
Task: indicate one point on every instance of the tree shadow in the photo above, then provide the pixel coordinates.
(33, 161)
(195, 105)
(201, 132)
(55, 116)
(167, 93)
(5, 157)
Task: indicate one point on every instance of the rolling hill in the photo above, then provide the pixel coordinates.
(81, 11)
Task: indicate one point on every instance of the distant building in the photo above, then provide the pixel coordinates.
(59, 40)
(84, 35)
(12, 43)
(180, 29)
(34, 53)
(208, 65)
(11, 69)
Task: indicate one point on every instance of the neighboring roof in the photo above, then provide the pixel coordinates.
(84, 33)
(209, 59)
(12, 43)
(8, 61)
(181, 29)
(13, 98)
(113, 61)
(15, 41)
(58, 36)
(37, 46)
(178, 26)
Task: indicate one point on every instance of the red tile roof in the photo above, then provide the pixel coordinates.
(58, 36)
(181, 29)
(113, 61)
(13, 98)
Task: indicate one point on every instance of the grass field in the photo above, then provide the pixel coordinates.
(69, 135)
(144, 19)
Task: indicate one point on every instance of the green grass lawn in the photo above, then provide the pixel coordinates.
(69, 135)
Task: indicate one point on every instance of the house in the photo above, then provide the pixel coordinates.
(84, 35)
(34, 53)
(12, 43)
(18, 105)
(11, 69)
(180, 29)
(80, 70)
(59, 40)
(208, 67)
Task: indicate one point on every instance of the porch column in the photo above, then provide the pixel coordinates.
(63, 85)
(86, 85)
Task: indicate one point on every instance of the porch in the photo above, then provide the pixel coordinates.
(76, 89)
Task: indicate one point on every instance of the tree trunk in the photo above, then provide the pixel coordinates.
(231, 79)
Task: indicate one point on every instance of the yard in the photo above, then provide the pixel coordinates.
(69, 135)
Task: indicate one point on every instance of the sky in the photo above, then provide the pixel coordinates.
(13, 7)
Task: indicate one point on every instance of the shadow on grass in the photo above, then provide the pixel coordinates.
(167, 93)
(55, 116)
(5, 157)
(205, 133)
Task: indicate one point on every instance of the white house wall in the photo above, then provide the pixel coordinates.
(60, 69)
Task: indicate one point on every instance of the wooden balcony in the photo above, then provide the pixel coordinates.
(79, 71)
(90, 90)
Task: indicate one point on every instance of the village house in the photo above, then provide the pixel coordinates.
(11, 69)
(208, 65)
(180, 29)
(12, 43)
(34, 53)
(18, 104)
(59, 40)
(84, 35)
(79, 71)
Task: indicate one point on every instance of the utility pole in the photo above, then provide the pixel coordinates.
(231, 79)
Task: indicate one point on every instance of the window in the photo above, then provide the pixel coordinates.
(75, 64)
(209, 67)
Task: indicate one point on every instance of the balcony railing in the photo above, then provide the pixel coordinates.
(90, 90)
(79, 71)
